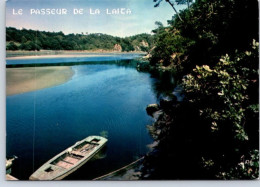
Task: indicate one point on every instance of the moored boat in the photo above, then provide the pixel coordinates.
(70, 159)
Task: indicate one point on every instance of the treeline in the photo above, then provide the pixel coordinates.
(36, 40)
(212, 47)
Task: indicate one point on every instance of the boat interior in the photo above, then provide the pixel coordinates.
(72, 157)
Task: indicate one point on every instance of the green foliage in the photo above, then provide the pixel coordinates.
(36, 40)
(222, 93)
(247, 168)
(126, 45)
(214, 131)
(170, 46)
(210, 29)
(29, 46)
(12, 46)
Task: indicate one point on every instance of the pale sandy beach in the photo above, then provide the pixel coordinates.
(20, 80)
(15, 55)
(55, 56)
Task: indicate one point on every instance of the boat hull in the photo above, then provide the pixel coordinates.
(70, 159)
(67, 174)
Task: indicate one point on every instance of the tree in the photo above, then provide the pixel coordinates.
(210, 29)
(225, 98)
(23, 40)
(59, 41)
(213, 133)
(181, 2)
(220, 137)
(11, 46)
(171, 3)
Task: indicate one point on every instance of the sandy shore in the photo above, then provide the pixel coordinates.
(61, 54)
(20, 80)
(55, 56)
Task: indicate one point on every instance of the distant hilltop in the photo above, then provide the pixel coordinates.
(31, 40)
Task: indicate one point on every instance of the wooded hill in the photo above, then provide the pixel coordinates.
(36, 40)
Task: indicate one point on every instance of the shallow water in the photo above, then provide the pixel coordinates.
(100, 99)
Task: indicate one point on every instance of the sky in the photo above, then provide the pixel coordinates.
(141, 20)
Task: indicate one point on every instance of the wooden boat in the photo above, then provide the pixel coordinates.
(70, 159)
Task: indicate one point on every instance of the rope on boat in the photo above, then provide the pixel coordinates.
(118, 170)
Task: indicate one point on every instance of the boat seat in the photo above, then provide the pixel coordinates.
(77, 153)
(71, 160)
(88, 148)
(63, 164)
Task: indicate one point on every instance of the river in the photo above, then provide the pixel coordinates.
(107, 99)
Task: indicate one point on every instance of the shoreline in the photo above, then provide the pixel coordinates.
(50, 56)
(61, 54)
(27, 79)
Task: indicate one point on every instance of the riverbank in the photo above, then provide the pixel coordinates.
(21, 80)
(62, 53)
(54, 56)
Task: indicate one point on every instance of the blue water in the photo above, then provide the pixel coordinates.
(100, 99)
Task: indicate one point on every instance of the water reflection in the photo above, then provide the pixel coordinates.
(163, 84)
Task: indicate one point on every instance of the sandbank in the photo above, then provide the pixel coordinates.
(54, 56)
(26, 79)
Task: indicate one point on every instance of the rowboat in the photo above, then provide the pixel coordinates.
(70, 159)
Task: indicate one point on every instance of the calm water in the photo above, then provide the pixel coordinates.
(108, 100)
